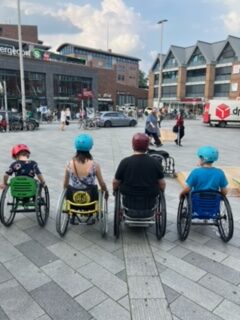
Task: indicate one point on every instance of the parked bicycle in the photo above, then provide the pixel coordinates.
(88, 123)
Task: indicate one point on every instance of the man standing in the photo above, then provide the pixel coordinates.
(151, 127)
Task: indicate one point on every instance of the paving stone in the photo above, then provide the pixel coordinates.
(122, 275)
(4, 274)
(160, 267)
(104, 280)
(179, 252)
(184, 268)
(154, 309)
(221, 287)
(211, 266)
(141, 266)
(198, 237)
(233, 263)
(108, 243)
(145, 288)
(171, 236)
(58, 304)
(104, 258)
(119, 253)
(70, 256)
(25, 223)
(3, 315)
(163, 244)
(44, 317)
(26, 273)
(35, 252)
(16, 303)
(190, 289)
(7, 251)
(185, 309)
(125, 302)
(76, 241)
(170, 294)
(14, 235)
(228, 311)
(109, 310)
(228, 249)
(68, 279)
(41, 235)
(91, 298)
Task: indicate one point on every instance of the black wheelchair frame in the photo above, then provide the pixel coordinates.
(167, 162)
(206, 208)
(156, 215)
(22, 195)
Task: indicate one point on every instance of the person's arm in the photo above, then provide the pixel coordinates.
(115, 184)
(185, 191)
(66, 179)
(41, 178)
(5, 181)
(162, 184)
(101, 181)
(224, 191)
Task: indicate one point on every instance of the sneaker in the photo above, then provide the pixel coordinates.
(176, 142)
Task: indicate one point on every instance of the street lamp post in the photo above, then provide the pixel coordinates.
(3, 91)
(23, 97)
(161, 22)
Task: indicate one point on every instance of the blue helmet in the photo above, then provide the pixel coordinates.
(208, 154)
(83, 142)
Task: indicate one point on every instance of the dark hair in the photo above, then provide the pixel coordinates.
(23, 153)
(82, 156)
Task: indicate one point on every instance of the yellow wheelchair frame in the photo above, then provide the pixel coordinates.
(85, 212)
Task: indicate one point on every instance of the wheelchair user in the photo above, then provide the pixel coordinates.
(81, 171)
(139, 175)
(22, 166)
(206, 177)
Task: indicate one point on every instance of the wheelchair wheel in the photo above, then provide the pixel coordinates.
(117, 209)
(160, 217)
(184, 218)
(104, 217)
(160, 159)
(163, 211)
(63, 217)
(8, 207)
(225, 222)
(42, 205)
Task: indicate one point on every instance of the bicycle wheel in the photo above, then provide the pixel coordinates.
(16, 126)
(63, 217)
(7, 207)
(42, 205)
(225, 221)
(184, 217)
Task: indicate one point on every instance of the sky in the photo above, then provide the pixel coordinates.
(127, 26)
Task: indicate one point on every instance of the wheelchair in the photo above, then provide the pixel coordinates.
(206, 208)
(167, 162)
(140, 212)
(24, 194)
(83, 209)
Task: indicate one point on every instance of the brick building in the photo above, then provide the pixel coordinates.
(29, 33)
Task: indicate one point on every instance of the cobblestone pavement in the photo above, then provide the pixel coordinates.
(83, 276)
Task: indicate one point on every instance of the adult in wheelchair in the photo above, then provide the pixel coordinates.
(203, 200)
(139, 190)
(24, 193)
(80, 201)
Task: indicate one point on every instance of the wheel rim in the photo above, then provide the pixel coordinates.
(63, 217)
(184, 218)
(8, 207)
(225, 222)
(42, 205)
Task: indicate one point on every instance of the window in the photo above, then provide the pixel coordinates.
(169, 91)
(171, 62)
(195, 91)
(227, 55)
(223, 73)
(170, 76)
(197, 58)
(156, 79)
(221, 90)
(155, 93)
(196, 75)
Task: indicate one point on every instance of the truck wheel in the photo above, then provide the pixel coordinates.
(222, 124)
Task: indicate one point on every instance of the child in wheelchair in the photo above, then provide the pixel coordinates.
(81, 173)
(139, 176)
(206, 177)
(22, 166)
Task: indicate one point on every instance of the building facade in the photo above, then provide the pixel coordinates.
(190, 76)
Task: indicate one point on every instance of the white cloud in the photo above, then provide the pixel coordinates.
(231, 19)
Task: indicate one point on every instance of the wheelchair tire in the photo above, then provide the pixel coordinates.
(160, 217)
(104, 217)
(160, 159)
(225, 229)
(7, 207)
(163, 210)
(42, 205)
(117, 209)
(184, 217)
(62, 218)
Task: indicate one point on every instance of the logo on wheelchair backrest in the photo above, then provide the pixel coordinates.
(81, 197)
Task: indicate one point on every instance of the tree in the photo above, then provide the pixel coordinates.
(142, 80)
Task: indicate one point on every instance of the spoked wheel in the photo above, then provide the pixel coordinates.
(225, 221)
(163, 212)
(161, 160)
(184, 218)
(8, 207)
(104, 216)
(15, 126)
(63, 217)
(42, 205)
(117, 209)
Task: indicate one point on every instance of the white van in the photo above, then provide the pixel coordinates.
(222, 112)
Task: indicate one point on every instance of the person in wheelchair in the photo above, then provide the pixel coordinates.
(22, 166)
(139, 177)
(81, 171)
(206, 177)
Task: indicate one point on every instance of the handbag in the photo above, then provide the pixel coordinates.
(175, 128)
(67, 122)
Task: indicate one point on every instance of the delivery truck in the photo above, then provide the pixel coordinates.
(222, 112)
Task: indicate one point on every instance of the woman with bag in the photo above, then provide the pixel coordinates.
(63, 119)
(81, 171)
(179, 128)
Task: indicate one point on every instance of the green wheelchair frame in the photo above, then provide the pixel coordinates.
(85, 213)
(24, 194)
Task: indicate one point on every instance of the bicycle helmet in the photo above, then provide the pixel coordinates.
(208, 154)
(18, 148)
(83, 142)
(140, 142)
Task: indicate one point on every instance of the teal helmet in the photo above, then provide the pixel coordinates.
(208, 154)
(83, 142)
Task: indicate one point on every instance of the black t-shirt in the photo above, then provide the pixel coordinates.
(139, 175)
(24, 168)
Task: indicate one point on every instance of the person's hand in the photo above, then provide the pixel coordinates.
(3, 186)
(106, 195)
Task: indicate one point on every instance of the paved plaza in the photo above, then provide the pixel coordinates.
(84, 276)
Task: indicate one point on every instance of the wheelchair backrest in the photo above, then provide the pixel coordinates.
(206, 204)
(23, 187)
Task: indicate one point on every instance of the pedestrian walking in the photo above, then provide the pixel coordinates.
(151, 127)
(179, 128)
(63, 119)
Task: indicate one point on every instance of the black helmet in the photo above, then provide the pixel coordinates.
(140, 142)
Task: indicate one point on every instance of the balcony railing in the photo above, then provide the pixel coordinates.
(170, 80)
(222, 77)
(196, 79)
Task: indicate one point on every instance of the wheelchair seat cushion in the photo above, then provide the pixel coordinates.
(82, 196)
(162, 153)
(139, 207)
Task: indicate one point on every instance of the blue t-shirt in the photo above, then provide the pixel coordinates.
(207, 179)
